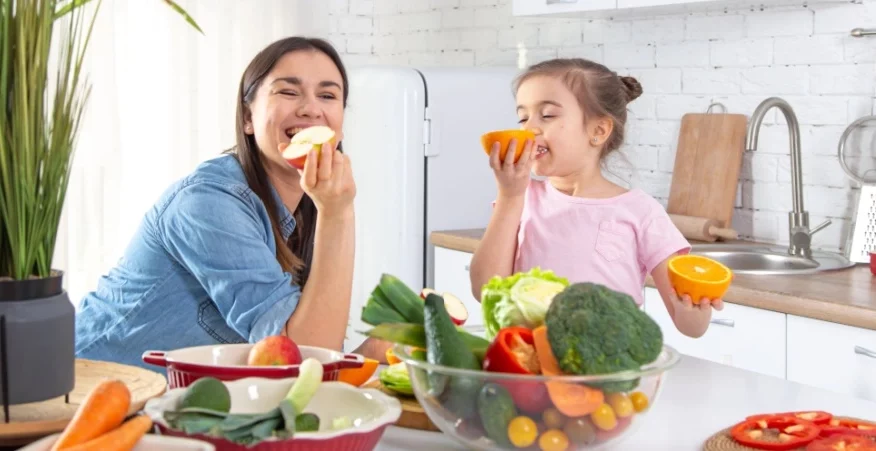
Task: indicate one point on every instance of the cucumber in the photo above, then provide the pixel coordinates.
(403, 299)
(307, 422)
(415, 335)
(496, 409)
(445, 346)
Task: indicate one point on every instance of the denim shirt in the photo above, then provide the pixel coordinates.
(200, 270)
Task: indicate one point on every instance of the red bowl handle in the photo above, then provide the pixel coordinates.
(157, 358)
(351, 361)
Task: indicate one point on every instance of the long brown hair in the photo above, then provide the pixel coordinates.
(295, 255)
(600, 91)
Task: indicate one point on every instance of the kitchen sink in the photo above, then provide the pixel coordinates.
(770, 259)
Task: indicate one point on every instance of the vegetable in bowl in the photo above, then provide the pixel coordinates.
(521, 299)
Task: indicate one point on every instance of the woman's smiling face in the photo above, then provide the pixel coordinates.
(304, 88)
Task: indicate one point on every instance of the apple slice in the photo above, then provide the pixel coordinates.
(311, 138)
(455, 307)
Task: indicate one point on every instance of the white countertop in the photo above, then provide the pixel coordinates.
(699, 399)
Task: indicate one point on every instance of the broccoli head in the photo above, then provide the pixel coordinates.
(593, 329)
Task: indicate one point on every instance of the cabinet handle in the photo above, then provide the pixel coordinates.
(467, 267)
(723, 322)
(865, 352)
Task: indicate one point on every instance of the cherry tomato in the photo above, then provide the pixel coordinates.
(553, 419)
(553, 440)
(522, 431)
(640, 401)
(604, 417)
(580, 430)
(621, 404)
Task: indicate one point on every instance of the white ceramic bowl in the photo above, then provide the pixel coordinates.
(370, 411)
(149, 442)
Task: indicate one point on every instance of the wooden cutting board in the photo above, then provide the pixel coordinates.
(707, 164)
(413, 416)
(29, 422)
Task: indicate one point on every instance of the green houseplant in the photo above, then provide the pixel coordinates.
(43, 92)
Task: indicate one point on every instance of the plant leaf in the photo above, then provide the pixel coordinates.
(183, 13)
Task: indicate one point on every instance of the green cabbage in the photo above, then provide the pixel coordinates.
(521, 299)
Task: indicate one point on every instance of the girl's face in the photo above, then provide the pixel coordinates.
(304, 88)
(564, 146)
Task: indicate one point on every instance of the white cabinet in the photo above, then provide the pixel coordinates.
(739, 336)
(540, 7)
(832, 356)
(452, 276)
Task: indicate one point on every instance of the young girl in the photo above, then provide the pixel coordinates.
(576, 222)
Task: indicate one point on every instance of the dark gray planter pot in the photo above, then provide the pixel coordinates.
(37, 329)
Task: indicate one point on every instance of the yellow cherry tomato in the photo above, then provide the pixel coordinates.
(553, 419)
(603, 417)
(640, 401)
(621, 404)
(553, 440)
(522, 431)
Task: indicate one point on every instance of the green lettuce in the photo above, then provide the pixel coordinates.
(521, 299)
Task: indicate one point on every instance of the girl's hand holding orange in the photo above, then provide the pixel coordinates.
(512, 178)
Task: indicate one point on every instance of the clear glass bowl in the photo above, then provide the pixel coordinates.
(465, 404)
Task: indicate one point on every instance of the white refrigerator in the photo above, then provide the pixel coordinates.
(413, 137)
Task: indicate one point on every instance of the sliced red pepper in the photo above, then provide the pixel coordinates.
(842, 442)
(512, 351)
(847, 426)
(793, 433)
(815, 416)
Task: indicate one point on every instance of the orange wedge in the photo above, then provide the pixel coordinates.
(358, 376)
(391, 358)
(504, 138)
(699, 277)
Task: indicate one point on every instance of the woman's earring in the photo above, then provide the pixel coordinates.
(595, 141)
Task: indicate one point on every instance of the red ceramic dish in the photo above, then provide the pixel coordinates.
(369, 410)
(228, 363)
(873, 263)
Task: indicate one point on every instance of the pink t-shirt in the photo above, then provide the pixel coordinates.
(615, 242)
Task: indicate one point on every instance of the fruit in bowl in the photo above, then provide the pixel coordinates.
(274, 350)
(280, 414)
(565, 366)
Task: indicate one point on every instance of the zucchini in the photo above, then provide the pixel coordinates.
(496, 409)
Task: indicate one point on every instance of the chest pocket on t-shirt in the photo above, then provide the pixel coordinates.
(615, 241)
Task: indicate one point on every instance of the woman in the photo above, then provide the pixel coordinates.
(220, 258)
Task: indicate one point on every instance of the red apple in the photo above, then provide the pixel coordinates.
(311, 138)
(274, 351)
(455, 307)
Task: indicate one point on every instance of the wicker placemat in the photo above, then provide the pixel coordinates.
(722, 441)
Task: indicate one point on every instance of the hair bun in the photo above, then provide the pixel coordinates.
(632, 88)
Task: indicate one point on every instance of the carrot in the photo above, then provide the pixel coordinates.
(104, 408)
(122, 438)
(573, 400)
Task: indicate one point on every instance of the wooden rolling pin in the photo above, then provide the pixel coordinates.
(702, 229)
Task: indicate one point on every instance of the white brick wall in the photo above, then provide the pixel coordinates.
(684, 62)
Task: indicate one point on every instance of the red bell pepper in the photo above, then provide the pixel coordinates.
(815, 416)
(512, 351)
(842, 442)
(848, 426)
(792, 433)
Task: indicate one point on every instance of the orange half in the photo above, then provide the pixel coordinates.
(699, 277)
(358, 376)
(504, 137)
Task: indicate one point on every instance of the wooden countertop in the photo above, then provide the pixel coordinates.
(845, 297)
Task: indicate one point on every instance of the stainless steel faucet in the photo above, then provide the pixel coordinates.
(798, 218)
